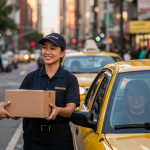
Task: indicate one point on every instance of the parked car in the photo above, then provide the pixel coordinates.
(24, 56)
(37, 54)
(6, 62)
(115, 112)
(40, 61)
(13, 59)
(85, 66)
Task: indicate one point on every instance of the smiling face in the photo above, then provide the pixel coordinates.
(51, 53)
(136, 99)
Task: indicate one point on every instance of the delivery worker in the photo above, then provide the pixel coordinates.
(3, 112)
(52, 133)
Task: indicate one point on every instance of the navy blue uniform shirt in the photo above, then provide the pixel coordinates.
(63, 82)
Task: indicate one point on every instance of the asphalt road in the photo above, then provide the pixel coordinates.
(8, 127)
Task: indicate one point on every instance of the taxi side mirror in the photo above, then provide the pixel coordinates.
(83, 118)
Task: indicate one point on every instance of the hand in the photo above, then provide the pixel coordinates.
(3, 112)
(54, 113)
(16, 118)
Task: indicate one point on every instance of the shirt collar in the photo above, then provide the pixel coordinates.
(60, 72)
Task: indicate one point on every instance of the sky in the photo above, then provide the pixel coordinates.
(50, 16)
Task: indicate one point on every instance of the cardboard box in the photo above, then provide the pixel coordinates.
(29, 103)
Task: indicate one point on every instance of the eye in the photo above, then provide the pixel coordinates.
(43, 47)
(52, 48)
(131, 94)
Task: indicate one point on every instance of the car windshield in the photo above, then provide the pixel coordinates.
(4, 57)
(22, 53)
(87, 64)
(130, 102)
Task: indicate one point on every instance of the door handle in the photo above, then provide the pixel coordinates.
(77, 131)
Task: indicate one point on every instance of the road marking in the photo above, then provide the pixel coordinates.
(11, 145)
(23, 72)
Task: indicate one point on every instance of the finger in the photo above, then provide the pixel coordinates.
(10, 116)
(52, 105)
(6, 103)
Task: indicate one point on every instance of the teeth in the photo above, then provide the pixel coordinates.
(48, 57)
(136, 102)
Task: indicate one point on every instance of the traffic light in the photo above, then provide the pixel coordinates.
(110, 41)
(102, 34)
(74, 40)
(97, 38)
(32, 43)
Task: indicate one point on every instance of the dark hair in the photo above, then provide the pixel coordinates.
(148, 52)
(61, 57)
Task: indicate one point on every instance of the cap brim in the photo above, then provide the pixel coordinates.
(45, 39)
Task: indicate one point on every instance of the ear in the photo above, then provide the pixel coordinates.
(63, 53)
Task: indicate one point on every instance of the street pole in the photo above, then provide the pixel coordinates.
(107, 27)
(121, 26)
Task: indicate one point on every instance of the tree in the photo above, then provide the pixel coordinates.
(5, 21)
(34, 37)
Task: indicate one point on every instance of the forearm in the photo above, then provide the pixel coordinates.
(66, 112)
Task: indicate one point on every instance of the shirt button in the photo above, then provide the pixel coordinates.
(48, 82)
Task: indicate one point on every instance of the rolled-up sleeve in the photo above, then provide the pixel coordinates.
(72, 91)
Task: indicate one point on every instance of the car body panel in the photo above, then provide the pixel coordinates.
(129, 141)
(95, 140)
(21, 56)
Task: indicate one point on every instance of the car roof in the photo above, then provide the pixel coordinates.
(130, 65)
(74, 54)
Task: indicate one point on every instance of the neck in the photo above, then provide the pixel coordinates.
(137, 112)
(51, 69)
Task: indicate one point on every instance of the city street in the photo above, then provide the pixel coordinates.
(10, 131)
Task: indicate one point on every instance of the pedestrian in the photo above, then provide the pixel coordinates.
(142, 53)
(3, 112)
(52, 133)
(127, 55)
(1, 67)
(135, 53)
(147, 54)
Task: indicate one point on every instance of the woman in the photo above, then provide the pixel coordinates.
(54, 132)
(136, 95)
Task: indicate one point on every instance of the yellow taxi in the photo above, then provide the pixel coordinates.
(24, 56)
(86, 65)
(115, 112)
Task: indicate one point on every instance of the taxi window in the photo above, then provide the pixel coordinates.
(99, 99)
(87, 64)
(129, 102)
(93, 90)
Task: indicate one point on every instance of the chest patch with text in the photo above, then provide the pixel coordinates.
(60, 88)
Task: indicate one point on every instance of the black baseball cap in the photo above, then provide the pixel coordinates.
(56, 38)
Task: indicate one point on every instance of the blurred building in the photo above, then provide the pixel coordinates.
(100, 20)
(136, 21)
(39, 15)
(25, 22)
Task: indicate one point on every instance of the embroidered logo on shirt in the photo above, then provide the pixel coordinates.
(60, 88)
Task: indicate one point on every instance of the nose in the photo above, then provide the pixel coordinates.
(135, 96)
(48, 51)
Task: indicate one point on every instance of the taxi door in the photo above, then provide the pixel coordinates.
(84, 137)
